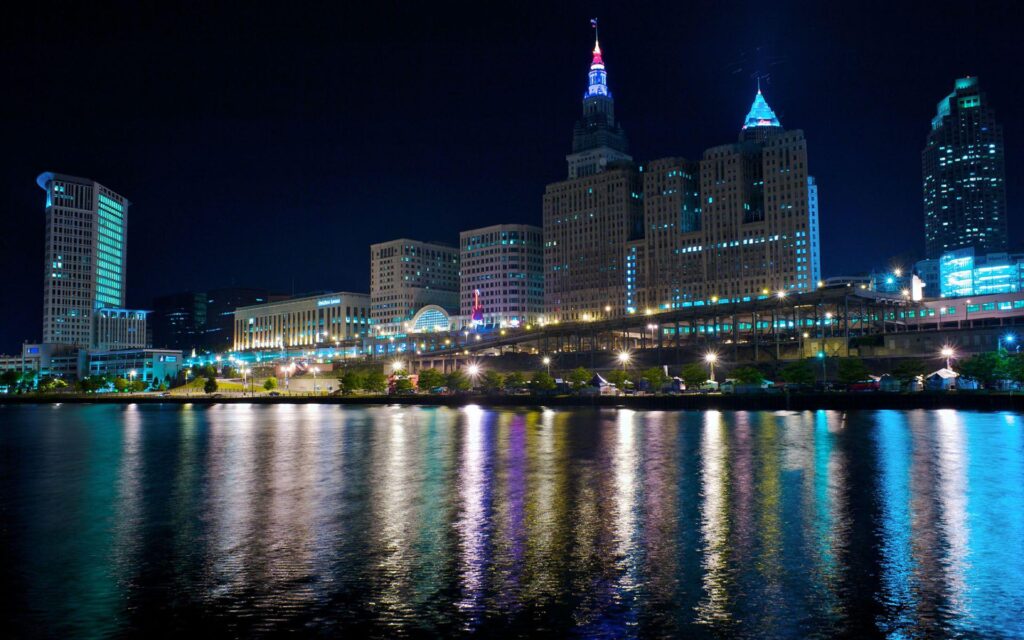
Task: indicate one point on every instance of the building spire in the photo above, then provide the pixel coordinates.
(760, 114)
(598, 85)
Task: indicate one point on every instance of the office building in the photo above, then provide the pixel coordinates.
(740, 224)
(119, 329)
(178, 320)
(84, 254)
(962, 274)
(502, 275)
(589, 217)
(759, 211)
(666, 266)
(152, 366)
(964, 175)
(203, 321)
(311, 321)
(407, 275)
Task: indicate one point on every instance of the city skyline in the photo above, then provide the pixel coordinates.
(191, 236)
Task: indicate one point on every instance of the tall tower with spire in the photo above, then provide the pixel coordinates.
(589, 217)
(597, 140)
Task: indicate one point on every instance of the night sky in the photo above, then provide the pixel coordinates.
(271, 146)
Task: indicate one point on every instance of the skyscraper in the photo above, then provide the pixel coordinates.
(964, 175)
(741, 223)
(597, 140)
(84, 269)
(589, 217)
(759, 211)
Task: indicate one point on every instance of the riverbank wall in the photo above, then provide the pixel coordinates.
(695, 402)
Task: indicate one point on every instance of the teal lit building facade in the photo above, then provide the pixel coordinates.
(84, 257)
(962, 273)
(964, 175)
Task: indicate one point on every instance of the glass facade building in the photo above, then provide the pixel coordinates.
(961, 273)
(84, 256)
(963, 173)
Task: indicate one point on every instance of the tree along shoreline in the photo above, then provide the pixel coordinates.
(846, 401)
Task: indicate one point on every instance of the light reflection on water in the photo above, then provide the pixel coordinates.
(391, 521)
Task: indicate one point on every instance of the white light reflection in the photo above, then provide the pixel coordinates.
(952, 467)
(470, 524)
(625, 463)
(714, 607)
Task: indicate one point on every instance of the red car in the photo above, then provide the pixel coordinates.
(864, 385)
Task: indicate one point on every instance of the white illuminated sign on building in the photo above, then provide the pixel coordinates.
(326, 302)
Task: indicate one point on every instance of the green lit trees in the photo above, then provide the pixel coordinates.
(430, 379)
(579, 378)
(797, 372)
(457, 381)
(693, 375)
(852, 370)
(542, 382)
(493, 382)
(375, 382)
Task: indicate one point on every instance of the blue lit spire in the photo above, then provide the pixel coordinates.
(598, 76)
(761, 115)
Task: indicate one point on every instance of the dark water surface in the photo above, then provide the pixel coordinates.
(401, 521)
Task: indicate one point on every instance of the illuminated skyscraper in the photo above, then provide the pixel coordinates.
(589, 217)
(759, 211)
(597, 140)
(740, 224)
(84, 270)
(964, 175)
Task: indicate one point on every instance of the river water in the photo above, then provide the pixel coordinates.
(244, 520)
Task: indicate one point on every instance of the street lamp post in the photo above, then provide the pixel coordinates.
(315, 370)
(624, 359)
(547, 363)
(824, 376)
(711, 358)
(1009, 338)
(948, 353)
(131, 379)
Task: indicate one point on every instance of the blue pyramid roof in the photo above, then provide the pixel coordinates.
(761, 115)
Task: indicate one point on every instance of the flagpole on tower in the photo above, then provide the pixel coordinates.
(593, 23)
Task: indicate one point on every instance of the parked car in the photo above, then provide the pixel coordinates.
(274, 394)
(864, 385)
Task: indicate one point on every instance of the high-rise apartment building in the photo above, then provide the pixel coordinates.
(502, 281)
(84, 269)
(407, 275)
(964, 175)
(589, 217)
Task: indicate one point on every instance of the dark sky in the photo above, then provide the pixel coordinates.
(269, 146)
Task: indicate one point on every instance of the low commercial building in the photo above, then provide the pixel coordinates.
(310, 321)
(961, 273)
(147, 365)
